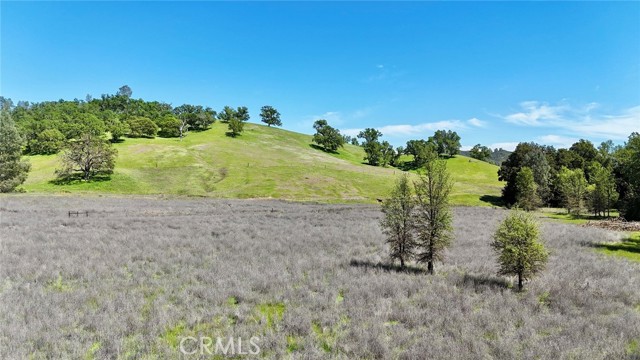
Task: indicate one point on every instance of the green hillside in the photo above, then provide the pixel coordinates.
(262, 163)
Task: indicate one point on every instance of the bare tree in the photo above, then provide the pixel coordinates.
(433, 216)
(184, 126)
(398, 220)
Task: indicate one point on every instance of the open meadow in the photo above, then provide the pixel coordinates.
(264, 162)
(137, 275)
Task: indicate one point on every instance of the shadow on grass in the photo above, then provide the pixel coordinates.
(318, 147)
(231, 134)
(479, 282)
(73, 180)
(407, 166)
(386, 267)
(492, 199)
(567, 216)
(630, 245)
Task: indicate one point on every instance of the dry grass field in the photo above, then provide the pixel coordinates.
(137, 275)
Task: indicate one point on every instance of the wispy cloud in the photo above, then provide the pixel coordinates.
(587, 120)
(535, 113)
(476, 122)
(616, 127)
(423, 129)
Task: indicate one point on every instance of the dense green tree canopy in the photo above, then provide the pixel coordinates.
(326, 136)
(197, 118)
(13, 170)
(169, 126)
(527, 195)
(447, 142)
(372, 146)
(480, 152)
(49, 141)
(422, 151)
(270, 116)
(142, 127)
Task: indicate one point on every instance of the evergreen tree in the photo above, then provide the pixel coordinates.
(13, 170)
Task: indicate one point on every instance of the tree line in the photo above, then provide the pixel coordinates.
(582, 177)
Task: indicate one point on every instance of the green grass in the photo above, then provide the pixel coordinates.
(561, 215)
(271, 313)
(59, 285)
(261, 163)
(628, 248)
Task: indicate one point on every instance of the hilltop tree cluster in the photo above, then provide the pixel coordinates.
(82, 130)
(580, 178)
(381, 153)
(47, 127)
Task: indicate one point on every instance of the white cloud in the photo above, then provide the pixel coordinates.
(578, 121)
(476, 122)
(423, 129)
(557, 141)
(615, 127)
(535, 113)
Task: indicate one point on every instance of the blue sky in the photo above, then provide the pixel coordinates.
(496, 72)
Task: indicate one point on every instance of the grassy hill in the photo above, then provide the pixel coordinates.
(262, 163)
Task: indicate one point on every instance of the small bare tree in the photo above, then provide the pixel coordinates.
(397, 223)
(433, 215)
(184, 127)
(87, 156)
